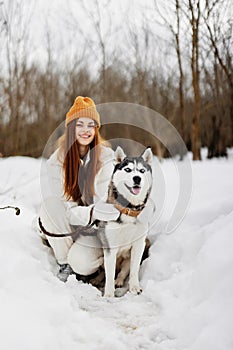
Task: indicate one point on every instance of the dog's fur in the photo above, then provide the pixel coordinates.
(124, 240)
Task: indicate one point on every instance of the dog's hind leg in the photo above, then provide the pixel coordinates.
(136, 255)
(124, 272)
(110, 267)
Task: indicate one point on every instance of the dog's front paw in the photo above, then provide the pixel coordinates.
(135, 289)
(109, 293)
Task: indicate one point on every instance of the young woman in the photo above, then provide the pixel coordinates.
(78, 174)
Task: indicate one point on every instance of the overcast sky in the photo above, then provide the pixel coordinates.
(71, 31)
(71, 27)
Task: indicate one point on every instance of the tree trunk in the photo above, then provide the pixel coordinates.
(181, 77)
(195, 128)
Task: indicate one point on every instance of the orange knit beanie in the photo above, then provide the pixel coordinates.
(83, 107)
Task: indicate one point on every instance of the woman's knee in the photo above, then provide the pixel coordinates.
(84, 260)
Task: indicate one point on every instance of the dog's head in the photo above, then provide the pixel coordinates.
(132, 176)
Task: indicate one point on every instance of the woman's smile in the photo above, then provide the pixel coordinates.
(85, 136)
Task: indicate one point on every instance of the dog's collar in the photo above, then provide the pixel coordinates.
(127, 211)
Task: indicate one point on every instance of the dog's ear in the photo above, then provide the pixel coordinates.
(119, 155)
(147, 155)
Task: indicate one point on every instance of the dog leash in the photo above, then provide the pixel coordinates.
(67, 234)
(123, 210)
(57, 235)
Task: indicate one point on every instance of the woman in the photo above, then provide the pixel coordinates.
(78, 174)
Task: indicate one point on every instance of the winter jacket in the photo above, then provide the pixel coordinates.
(56, 211)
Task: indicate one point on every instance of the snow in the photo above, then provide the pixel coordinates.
(187, 281)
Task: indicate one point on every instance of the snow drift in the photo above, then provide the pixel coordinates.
(187, 281)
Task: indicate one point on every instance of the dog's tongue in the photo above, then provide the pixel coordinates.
(136, 190)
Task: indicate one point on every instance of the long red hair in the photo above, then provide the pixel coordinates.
(78, 179)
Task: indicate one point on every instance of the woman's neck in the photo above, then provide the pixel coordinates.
(83, 150)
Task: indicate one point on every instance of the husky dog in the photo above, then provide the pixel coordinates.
(129, 190)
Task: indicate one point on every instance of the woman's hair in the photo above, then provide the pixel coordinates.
(79, 180)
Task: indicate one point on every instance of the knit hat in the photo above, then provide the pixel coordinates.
(83, 107)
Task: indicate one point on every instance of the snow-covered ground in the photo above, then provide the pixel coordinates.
(187, 299)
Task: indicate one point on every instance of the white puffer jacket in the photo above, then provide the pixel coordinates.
(57, 213)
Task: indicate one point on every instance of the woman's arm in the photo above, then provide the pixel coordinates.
(79, 215)
(85, 215)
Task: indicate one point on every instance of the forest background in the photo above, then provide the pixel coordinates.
(174, 57)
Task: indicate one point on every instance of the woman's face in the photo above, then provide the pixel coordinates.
(85, 131)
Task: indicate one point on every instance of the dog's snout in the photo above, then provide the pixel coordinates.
(137, 180)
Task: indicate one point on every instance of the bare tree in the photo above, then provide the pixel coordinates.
(16, 36)
(194, 13)
(139, 39)
(175, 28)
(220, 36)
(100, 25)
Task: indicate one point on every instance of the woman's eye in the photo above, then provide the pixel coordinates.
(91, 126)
(142, 171)
(128, 170)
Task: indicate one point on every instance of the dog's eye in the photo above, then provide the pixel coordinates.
(128, 170)
(142, 170)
